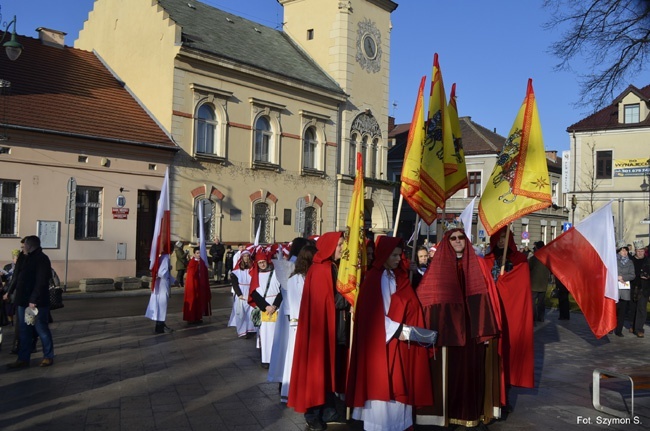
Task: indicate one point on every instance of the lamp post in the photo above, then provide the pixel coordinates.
(13, 48)
(645, 187)
(574, 205)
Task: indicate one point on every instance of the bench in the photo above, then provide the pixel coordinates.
(639, 378)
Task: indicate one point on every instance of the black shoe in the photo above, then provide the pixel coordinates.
(316, 425)
(18, 365)
(619, 334)
(334, 417)
(264, 365)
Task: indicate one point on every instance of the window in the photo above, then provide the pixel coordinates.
(262, 222)
(206, 130)
(263, 140)
(632, 113)
(554, 192)
(372, 172)
(603, 165)
(352, 166)
(208, 209)
(309, 148)
(9, 207)
(474, 184)
(87, 213)
(310, 34)
(364, 155)
(311, 222)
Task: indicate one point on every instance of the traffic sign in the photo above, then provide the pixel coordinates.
(566, 226)
(525, 235)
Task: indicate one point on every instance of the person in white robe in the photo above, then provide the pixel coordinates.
(266, 295)
(157, 308)
(240, 278)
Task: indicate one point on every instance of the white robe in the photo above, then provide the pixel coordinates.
(157, 308)
(282, 269)
(295, 286)
(240, 317)
(267, 329)
(385, 415)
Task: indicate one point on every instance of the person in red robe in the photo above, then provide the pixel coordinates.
(388, 374)
(456, 301)
(514, 309)
(315, 375)
(197, 298)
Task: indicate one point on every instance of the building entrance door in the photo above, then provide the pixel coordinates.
(147, 205)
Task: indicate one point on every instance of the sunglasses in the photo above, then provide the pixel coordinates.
(457, 238)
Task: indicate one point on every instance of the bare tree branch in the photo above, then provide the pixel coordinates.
(612, 36)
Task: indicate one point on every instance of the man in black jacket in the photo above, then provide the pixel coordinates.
(32, 293)
(216, 252)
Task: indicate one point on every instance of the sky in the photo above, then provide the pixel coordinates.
(488, 48)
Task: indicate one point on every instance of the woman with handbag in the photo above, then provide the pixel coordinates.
(265, 295)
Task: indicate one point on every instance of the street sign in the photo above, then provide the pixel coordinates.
(481, 233)
(524, 235)
(70, 204)
(566, 226)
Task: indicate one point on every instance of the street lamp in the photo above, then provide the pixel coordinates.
(645, 187)
(574, 205)
(13, 48)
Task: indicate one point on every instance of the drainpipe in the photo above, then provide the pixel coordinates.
(339, 151)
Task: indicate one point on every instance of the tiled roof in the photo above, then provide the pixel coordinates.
(476, 139)
(214, 31)
(69, 91)
(607, 118)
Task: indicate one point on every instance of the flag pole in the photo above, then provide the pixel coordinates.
(399, 211)
(505, 250)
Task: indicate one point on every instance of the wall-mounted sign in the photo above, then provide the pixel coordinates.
(121, 201)
(120, 213)
(631, 167)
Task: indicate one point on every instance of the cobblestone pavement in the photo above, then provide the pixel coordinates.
(116, 374)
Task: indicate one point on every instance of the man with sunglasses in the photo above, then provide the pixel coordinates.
(456, 301)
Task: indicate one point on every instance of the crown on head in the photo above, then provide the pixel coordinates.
(448, 225)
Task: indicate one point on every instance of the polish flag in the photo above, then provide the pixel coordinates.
(161, 243)
(584, 260)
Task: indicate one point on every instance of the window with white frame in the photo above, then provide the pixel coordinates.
(208, 217)
(206, 136)
(87, 213)
(263, 140)
(474, 184)
(9, 207)
(554, 192)
(632, 113)
(309, 149)
(311, 221)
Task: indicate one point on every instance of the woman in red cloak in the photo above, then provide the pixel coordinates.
(197, 298)
(388, 375)
(316, 364)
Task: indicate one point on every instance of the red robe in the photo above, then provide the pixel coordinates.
(394, 370)
(313, 374)
(514, 312)
(197, 292)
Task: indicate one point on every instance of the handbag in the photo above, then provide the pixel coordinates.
(56, 298)
(424, 337)
(256, 317)
(266, 317)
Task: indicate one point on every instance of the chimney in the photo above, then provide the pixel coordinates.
(51, 37)
(391, 123)
(552, 155)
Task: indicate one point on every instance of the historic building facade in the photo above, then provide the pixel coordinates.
(267, 121)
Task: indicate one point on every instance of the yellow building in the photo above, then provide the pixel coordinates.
(268, 121)
(610, 161)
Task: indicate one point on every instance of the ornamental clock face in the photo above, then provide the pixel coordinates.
(368, 46)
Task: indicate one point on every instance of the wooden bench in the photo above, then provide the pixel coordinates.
(639, 378)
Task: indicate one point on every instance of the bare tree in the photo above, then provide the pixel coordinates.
(613, 36)
(589, 181)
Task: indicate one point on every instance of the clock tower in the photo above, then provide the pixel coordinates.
(350, 40)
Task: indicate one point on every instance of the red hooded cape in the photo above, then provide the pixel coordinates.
(313, 374)
(514, 312)
(394, 370)
(197, 298)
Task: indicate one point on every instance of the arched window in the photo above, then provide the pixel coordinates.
(263, 140)
(206, 130)
(374, 149)
(208, 209)
(262, 217)
(309, 148)
(364, 155)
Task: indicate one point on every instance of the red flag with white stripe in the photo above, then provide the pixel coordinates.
(161, 243)
(584, 260)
